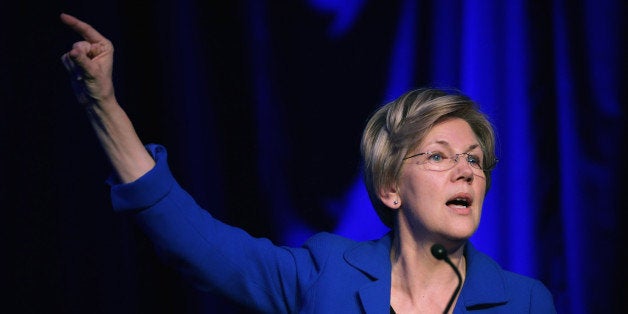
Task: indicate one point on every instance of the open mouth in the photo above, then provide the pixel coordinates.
(463, 201)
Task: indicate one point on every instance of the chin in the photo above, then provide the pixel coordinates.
(462, 233)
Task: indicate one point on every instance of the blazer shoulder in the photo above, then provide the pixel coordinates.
(328, 242)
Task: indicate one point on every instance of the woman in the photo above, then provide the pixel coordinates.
(427, 156)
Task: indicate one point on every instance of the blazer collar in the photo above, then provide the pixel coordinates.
(485, 284)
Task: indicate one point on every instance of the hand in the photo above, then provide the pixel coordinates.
(90, 64)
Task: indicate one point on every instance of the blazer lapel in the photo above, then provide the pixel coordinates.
(373, 259)
(485, 284)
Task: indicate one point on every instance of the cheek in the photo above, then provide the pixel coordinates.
(481, 188)
(480, 202)
(419, 187)
(479, 196)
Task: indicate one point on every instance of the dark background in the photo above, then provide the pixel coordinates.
(261, 106)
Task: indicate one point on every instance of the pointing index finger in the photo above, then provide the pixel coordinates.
(87, 31)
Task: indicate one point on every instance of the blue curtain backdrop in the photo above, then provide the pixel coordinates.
(261, 105)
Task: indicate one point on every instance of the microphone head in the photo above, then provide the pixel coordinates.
(438, 250)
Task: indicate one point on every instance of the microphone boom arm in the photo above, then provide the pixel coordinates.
(440, 253)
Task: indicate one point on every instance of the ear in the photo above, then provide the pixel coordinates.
(390, 197)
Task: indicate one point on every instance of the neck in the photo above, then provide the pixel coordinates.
(420, 281)
(421, 260)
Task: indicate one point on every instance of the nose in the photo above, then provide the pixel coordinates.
(462, 170)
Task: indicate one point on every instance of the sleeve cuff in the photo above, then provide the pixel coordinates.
(148, 189)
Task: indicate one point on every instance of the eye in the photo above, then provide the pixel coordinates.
(474, 160)
(435, 157)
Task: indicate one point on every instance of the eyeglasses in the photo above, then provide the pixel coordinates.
(439, 162)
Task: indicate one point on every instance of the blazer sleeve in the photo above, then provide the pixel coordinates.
(211, 255)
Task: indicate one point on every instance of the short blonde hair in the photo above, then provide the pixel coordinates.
(401, 125)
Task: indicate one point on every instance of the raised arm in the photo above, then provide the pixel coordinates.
(90, 64)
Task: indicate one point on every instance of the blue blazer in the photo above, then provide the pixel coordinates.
(328, 274)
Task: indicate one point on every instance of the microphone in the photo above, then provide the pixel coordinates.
(438, 250)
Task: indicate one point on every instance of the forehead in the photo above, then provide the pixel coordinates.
(455, 133)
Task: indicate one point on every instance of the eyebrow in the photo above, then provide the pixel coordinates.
(470, 148)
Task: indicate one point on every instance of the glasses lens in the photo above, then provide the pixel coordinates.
(440, 162)
(474, 161)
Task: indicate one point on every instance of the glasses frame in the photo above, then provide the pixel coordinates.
(454, 159)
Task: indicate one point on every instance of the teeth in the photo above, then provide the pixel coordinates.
(459, 201)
